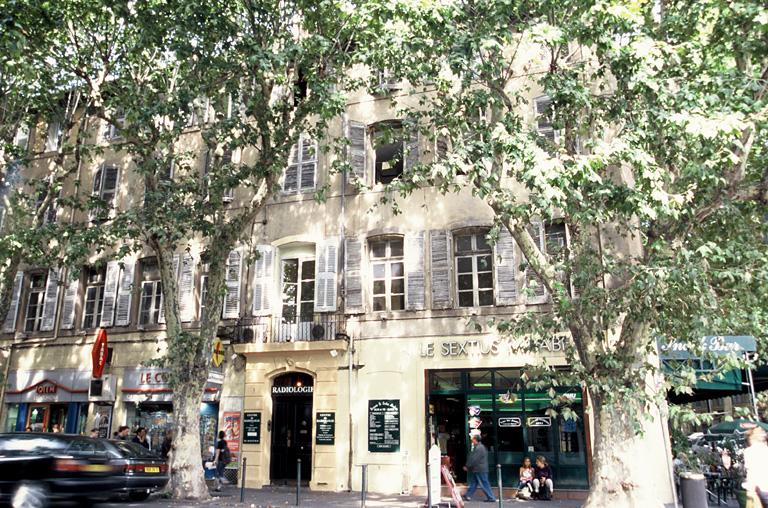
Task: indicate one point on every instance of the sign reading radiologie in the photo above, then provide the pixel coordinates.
(492, 347)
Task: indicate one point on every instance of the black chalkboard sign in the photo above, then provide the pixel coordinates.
(325, 428)
(251, 428)
(384, 426)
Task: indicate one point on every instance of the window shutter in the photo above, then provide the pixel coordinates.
(291, 180)
(357, 150)
(411, 145)
(414, 271)
(231, 308)
(441, 269)
(262, 281)
(175, 271)
(308, 163)
(50, 301)
(68, 305)
(9, 325)
(536, 229)
(110, 294)
(97, 182)
(325, 274)
(186, 289)
(353, 260)
(506, 273)
(124, 294)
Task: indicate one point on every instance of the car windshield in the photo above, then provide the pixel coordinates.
(32, 443)
(132, 450)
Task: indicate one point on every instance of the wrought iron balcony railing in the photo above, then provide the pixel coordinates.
(313, 327)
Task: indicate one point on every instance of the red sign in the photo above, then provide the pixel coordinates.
(44, 389)
(232, 434)
(99, 353)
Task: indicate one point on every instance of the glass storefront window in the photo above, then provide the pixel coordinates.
(12, 416)
(508, 379)
(445, 381)
(480, 380)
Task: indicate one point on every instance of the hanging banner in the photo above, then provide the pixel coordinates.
(99, 353)
(231, 428)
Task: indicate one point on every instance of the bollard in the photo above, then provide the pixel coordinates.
(298, 480)
(242, 481)
(363, 485)
(501, 486)
(429, 484)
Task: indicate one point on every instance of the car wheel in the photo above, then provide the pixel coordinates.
(138, 495)
(30, 495)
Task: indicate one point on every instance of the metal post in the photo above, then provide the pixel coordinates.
(364, 485)
(298, 480)
(429, 484)
(242, 481)
(752, 388)
(501, 486)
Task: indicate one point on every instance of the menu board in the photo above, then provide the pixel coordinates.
(384, 425)
(251, 428)
(325, 428)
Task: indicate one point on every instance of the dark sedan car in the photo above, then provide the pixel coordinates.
(141, 471)
(36, 468)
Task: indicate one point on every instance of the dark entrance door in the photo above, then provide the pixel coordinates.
(291, 427)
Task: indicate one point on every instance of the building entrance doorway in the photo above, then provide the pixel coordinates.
(291, 427)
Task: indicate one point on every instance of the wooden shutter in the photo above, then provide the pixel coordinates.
(186, 288)
(357, 150)
(308, 163)
(506, 270)
(231, 308)
(68, 305)
(326, 261)
(110, 294)
(353, 260)
(411, 145)
(124, 295)
(440, 261)
(50, 301)
(9, 325)
(414, 271)
(532, 281)
(291, 180)
(175, 272)
(262, 281)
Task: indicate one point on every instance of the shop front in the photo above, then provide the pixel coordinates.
(47, 400)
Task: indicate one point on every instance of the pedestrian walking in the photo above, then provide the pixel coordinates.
(221, 458)
(756, 462)
(477, 464)
(141, 437)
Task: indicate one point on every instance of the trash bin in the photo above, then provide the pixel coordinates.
(693, 489)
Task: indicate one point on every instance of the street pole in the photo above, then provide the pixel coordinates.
(752, 387)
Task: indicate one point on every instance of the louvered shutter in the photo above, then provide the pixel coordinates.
(412, 146)
(308, 163)
(50, 301)
(357, 150)
(262, 281)
(231, 308)
(441, 269)
(110, 294)
(124, 295)
(353, 260)
(325, 274)
(186, 288)
(68, 305)
(506, 271)
(175, 272)
(414, 271)
(291, 180)
(9, 325)
(532, 280)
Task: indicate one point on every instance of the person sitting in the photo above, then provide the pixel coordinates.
(542, 479)
(525, 486)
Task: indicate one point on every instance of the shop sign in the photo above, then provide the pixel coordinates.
(99, 353)
(384, 426)
(292, 390)
(46, 388)
(717, 345)
(325, 428)
(487, 347)
(539, 421)
(217, 356)
(510, 421)
(252, 428)
(58, 385)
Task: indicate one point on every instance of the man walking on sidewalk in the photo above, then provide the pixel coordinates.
(477, 464)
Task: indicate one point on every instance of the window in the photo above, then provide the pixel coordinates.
(302, 166)
(226, 160)
(387, 81)
(298, 278)
(545, 118)
(203, 286)
(113, 131)
(198, 111)
(554, 245)
(94, 297)
(2, 216)
(51, 211)
(105, 189)
(52, 136)
(388, 271)
(35, 297)
(151, 292)
(21, 139)
(388, 146)
(474, 269)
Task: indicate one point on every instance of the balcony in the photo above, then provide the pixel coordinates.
(279, 329)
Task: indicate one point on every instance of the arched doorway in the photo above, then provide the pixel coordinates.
(291, 426)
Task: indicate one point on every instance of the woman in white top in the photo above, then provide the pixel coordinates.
(756, 462)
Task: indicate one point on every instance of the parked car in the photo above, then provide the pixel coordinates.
(36, 468)
(141, 471)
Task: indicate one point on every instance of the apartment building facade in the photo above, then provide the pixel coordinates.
(357, 336)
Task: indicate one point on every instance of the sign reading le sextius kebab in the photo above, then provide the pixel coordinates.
(493, 347)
